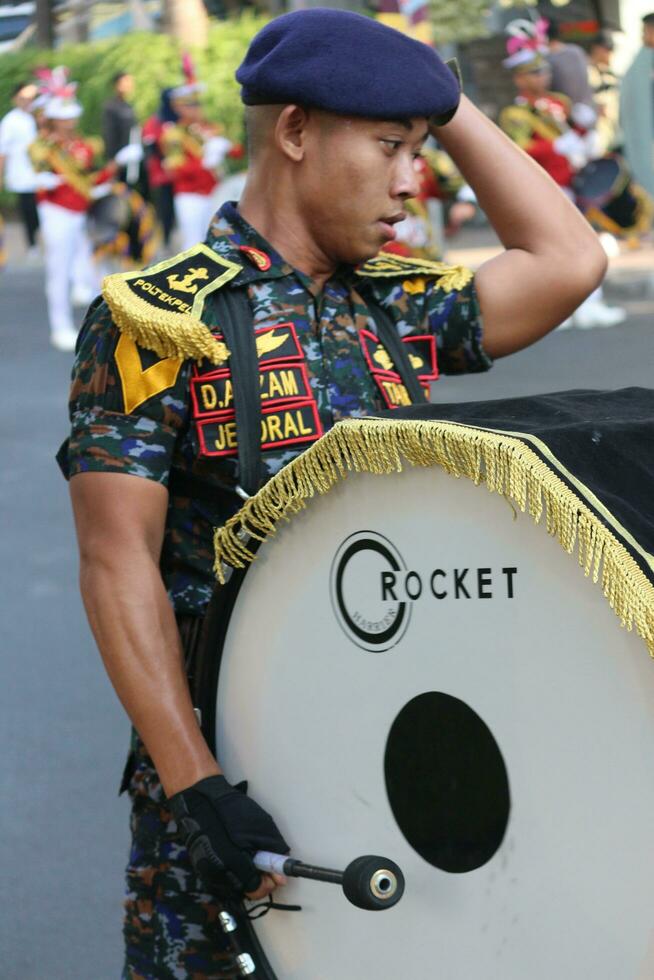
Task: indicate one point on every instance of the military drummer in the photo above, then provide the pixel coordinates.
(287, 318)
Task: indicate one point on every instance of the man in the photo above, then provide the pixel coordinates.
(540, 122)
(192, 149)
(569, 74)
(69, 177)
(118, 116)
(17, 131)
(637, 110)
(606, 92)
(538, 119)
(333, 141)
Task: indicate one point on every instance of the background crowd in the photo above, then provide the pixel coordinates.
(146, 185)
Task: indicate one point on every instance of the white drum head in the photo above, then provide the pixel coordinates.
(518, 667)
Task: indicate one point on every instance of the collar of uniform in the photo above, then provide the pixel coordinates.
(229, 231)
(230, 235)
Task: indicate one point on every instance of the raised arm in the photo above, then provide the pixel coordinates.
(553, 259)
(120, 523)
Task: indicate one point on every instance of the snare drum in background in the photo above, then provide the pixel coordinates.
(410, 669)
(611, 200)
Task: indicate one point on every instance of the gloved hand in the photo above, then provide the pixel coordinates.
(132, 153)
(222, 829)
(47, 181)
(214, 151)
(583, 115)
(571, 146)
(100, 191)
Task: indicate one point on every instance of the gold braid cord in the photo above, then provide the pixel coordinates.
(387, 265)
(166, 333)
(161, 308)
(502, 462)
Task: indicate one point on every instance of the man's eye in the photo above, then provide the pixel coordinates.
(392, 145)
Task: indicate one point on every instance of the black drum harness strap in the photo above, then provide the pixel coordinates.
(237, 324)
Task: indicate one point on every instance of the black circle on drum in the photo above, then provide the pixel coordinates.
(447, 783)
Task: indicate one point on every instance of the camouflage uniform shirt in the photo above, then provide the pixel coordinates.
(172, 420)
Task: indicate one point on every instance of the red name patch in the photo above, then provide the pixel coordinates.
(279, 383)
(295, 424)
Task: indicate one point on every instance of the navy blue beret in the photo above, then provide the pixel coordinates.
(348, 64)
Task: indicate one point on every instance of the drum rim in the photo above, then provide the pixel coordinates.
(205, 689)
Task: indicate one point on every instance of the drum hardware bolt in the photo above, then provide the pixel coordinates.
(245, 964)
(383, 884)
(227, 921)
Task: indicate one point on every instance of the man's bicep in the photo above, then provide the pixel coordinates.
(116, 512)
(521, 297)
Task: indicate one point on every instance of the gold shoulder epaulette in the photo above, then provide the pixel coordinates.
(386, 265)
(160, 308)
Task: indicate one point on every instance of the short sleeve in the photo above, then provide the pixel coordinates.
(5, 136)
(455, 319)
(127, 405)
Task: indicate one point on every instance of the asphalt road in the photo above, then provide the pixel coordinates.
(64, 737)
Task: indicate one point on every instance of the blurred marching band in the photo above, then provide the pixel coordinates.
(116, 201)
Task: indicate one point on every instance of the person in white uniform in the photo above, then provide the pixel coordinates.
(69, 178)
(17, 132)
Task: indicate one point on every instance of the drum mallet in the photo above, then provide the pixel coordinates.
(369, 882)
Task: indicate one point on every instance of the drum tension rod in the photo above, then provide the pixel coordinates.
(370, 882)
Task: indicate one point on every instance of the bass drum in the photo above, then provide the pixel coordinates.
(409, 669)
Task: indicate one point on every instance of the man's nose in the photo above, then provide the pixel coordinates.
(406, 181)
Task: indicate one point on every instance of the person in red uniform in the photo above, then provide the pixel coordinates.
(192, 150)
(538, 120)
(561, 138)
(69, 178)
(159, 179)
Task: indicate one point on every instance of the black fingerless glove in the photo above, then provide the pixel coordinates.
(222, 829)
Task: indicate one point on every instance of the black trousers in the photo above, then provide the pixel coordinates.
(162, 198)
(29, 216)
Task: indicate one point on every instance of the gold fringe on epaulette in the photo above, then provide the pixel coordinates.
(166, 333)
(386, 265)
(504, 463)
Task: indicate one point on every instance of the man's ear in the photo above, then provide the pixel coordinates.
(290, 131)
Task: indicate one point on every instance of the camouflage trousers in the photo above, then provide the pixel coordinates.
(170, 927)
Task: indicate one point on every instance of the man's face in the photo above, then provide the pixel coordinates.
(188, 112)
(648, 35)
(354, 181)
(532, 83)
(125, 86)
(24, 98)
(63, 128)
(600, 56)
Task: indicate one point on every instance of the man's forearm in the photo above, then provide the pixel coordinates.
(135, 629)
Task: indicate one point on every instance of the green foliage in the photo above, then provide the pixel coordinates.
(155, 62)
(463, 20)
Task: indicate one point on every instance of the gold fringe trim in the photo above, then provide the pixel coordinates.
(503, 463)
(386, 265)
(168, 334)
